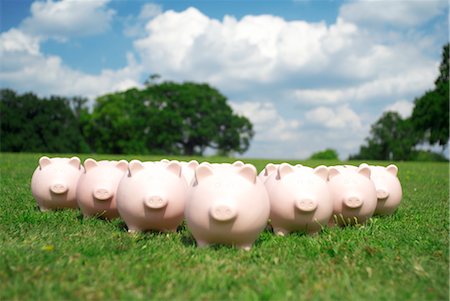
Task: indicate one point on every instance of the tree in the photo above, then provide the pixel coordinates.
(328, 154)
(152, 79)
(430, 116)
(169, 118)
(391, 138)
(33, 124)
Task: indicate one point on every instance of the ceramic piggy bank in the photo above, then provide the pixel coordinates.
(228, 205)
(96, 191)
(299, 199)
(152, 196)
(267, 171)
(54, 183)
(388, 188)
(353, 194)
(188, 170)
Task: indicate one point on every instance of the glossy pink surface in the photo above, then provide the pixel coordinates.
(299, 199)
(54, 182)
(388, 188)
(152, 196)
(97, 187)
(353, 193)
(268, 171)
(188, 170)
(228, 204)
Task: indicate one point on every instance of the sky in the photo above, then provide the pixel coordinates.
(310, 75)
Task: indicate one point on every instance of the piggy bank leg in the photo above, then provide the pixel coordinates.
(245, 247)
(202, 243)
(333, 221)
(313, 229)
(280, 231)
(133, 230)
(313, 232)
(43, 209)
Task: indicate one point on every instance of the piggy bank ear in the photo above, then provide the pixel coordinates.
(364, 170)
(249, 172)
(134, 167)
(122, 165)
(238, 164)
(75, 162)
(298, 165)
(321, 171)
(392, 169)
(174, 167)
(164, 161)
(203, 171)
(332, 172)
(44, 161)
(364, 165)
(89, 164)
(270, 168)
(192, 164)
(284, 169)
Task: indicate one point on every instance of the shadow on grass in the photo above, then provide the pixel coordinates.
(122, 227)
(188, 240)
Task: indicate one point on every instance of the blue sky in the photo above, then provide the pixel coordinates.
(309, 74)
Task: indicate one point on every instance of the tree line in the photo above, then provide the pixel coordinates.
(166, 118)
(189, 118)
(395, 138)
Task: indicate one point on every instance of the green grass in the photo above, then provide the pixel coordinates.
(59, 255)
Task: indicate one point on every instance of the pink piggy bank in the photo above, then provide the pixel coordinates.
(353, 194)
(388, 188)
(188, 170)
(268, 171)
(54, 182)
(96, 191)
(299, 199)
(152, 196)
(228, 205)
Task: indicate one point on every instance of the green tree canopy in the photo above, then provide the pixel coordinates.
(327, 154)
(391, 138)
(33, 124)
(175, 118)
(430, 116)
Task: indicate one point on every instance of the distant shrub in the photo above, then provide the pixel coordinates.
(328, 154)
(429, 156)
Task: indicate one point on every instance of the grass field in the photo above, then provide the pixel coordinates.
(61, 256)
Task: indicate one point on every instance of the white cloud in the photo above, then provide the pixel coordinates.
(135, 25)
(329, 81)
(25, 68)
(231, 52)
(149, 11)
(397, 13)
(63, 19)
(16, 41)
(268, 124)
(412, 83)
(403, 107)
(341, 117)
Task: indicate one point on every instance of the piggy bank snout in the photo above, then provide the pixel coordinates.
(155, 202)
(353, 202)
(58, 188)
(102, 194)
(382, 194)
(306, 204)
(223, 212)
